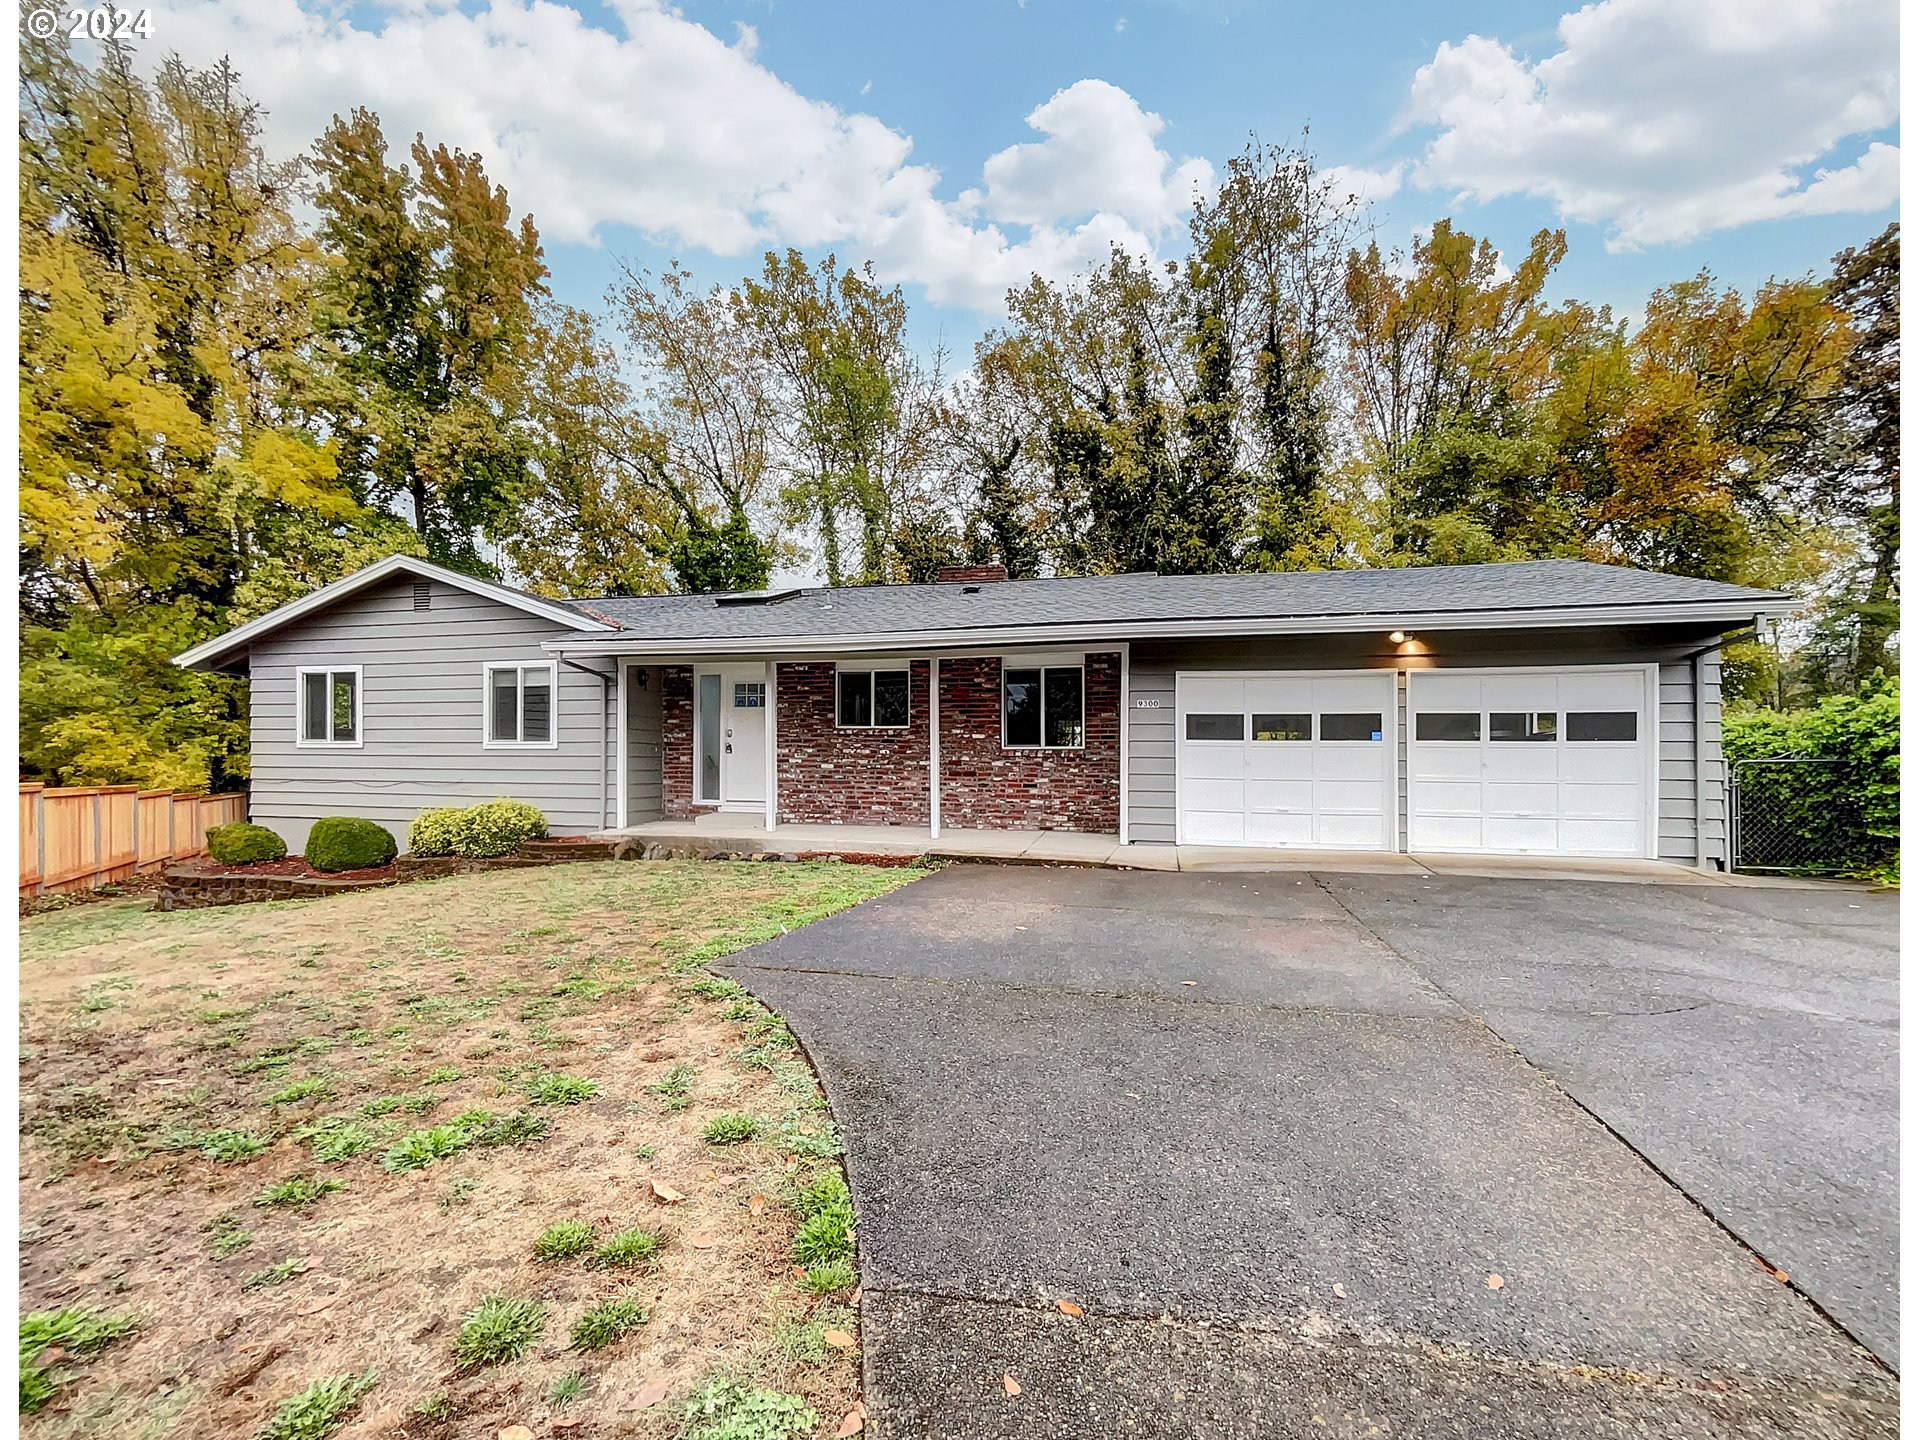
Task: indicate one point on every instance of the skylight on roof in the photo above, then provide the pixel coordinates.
(756, 597)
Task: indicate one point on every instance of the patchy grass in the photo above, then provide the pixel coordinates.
(481, 1005)
(320, 1409)
(627, 1249)
(607, 1322)
(729, 1129)
(500, 1328)
(563, 1240)
(71, 1332)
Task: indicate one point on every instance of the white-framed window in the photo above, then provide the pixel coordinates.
(1043, 707)
(327, 705)
(518, 700)
(876, 698)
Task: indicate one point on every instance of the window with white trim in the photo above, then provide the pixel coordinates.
(872, 699)
(519, 703)
(329, 704)
(1043, 707)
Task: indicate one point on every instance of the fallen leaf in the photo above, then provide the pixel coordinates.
(1010, 1385)
(799, 1272)
(853, 1422)
(665, 1192)
(318, 1305)
(651, 1393)
(709, 1175)
(701, 1242)
(1067, 1307)
(516, 1432)
(1189, 982)
(1772, 1273)
(839, 1339)
(856, 1293)
(756, 1203)
(569, 1422)
(1340, 1291)
(1494, 1282)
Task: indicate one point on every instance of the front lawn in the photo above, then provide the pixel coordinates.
(432, 1161)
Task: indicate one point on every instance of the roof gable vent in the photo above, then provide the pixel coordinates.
(423, 594)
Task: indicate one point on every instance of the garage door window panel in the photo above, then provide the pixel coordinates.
(1533, 726)
(1341, 725)
(1599, 726)
(1447, 726)
(1216, 727)
(1282, 728)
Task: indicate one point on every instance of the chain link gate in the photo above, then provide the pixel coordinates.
(1786, 816)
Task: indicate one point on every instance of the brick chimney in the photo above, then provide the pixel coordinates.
(969, 574)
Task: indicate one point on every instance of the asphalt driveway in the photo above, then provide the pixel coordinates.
(1256, 1127)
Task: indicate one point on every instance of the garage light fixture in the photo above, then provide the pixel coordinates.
(1399, 637)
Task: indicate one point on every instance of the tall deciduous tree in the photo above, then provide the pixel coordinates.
(427, 316)
(164, 312)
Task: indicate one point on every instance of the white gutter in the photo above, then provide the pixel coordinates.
(627, 642)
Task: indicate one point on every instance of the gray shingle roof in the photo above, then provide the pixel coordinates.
(1120, 599)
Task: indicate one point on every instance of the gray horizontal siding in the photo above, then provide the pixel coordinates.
(1151, 732)
(421, 714)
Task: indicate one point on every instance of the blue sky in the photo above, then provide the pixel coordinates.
(962, 146)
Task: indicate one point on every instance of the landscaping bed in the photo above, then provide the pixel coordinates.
(314, 1155)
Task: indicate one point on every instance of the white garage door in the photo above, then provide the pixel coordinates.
(1553, 763)
(1304, 760)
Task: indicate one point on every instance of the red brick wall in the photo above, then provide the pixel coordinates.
(984, 786)
(676, 741)
(831, 776)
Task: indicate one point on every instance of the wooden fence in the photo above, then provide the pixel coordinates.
(91, 835)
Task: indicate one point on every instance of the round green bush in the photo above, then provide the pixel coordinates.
(346, 842)
(498, 827)
(242, 844)
(436, 831)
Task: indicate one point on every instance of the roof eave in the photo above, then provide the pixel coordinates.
(1557, 617)
(217, 653)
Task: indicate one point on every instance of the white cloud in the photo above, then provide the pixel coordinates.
(1367, 186)
(669, 129)
(1663, 120)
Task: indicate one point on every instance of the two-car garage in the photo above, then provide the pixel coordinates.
(1527, 762)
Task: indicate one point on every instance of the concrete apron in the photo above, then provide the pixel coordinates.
(734, 833)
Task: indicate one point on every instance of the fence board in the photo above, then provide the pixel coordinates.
(30, 838)
(83, 836)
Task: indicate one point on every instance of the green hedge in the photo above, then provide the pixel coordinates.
(1845, 815)
(345, 842)
(242, 844)
(498, 827)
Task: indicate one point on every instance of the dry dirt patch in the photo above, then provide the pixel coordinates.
(390, 1023)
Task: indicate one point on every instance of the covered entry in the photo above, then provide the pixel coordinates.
(1532, 762)
(1297, 759)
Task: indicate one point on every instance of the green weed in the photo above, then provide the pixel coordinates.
(735, 1410)
(276, 1274)
(629, 1247)
(563, 1240)
(298, 1191)
(606, 1323)
(320, 1409)
(498, 1329)
(729, 1129)
(556, 1089)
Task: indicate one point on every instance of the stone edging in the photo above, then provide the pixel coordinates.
(188, 889)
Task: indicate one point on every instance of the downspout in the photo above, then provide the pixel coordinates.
(1697, 659)
(606, 698)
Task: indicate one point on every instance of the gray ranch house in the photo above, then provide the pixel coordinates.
(1552, 707)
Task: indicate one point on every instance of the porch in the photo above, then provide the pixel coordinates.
(746, 835)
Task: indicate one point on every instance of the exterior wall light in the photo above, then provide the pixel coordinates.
(1399, 637)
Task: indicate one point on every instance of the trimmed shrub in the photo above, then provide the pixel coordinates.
(435, 831)
(242, 844)
(346, 842)
(479, 832)
(499, 827)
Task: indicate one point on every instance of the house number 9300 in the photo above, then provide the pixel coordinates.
(1146, 704)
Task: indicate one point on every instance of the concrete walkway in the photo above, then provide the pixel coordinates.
(725, 831)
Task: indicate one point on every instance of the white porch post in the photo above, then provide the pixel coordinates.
(933, 747)
(773, 743)
(621, 741)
